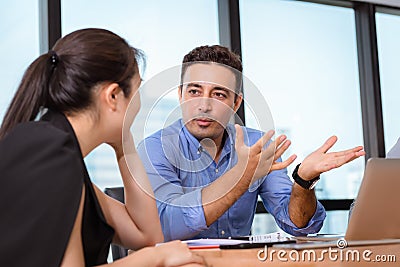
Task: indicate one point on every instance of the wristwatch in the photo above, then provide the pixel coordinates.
(309, 185)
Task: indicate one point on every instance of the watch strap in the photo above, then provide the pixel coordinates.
(306, 184)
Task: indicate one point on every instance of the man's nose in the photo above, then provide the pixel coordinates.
(205, 104)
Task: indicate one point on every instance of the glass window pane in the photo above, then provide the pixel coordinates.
(388, 35)
(164, 30)
(303, 58)
(335, 223)
(19, 30)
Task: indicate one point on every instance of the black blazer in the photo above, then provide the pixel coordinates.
(42, 173)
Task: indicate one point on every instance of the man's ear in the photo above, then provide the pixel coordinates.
(238, 101)
(110, 95)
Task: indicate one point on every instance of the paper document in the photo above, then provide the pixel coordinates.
(240, 241)
(213, 241)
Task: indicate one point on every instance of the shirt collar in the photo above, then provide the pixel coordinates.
(229, 141)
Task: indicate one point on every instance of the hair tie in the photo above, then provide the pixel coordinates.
(54, 58)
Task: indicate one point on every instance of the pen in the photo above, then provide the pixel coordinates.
(255, 245)
(240, 237)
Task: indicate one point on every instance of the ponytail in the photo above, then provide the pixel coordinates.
(31, 93)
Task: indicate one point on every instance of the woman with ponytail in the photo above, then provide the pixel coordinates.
(52, 213)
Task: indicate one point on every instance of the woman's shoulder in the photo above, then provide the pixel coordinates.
(37, 136)
(42, 161)
(39, 146)
(35, 130)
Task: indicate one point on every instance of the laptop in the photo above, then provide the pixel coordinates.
(376, 214)
(375, 218)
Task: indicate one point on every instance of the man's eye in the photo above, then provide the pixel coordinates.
(193, 92)
(220, 95)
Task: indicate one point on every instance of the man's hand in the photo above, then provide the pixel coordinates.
(320, 161)
(278, 153)
(253, 163)
(258, 162)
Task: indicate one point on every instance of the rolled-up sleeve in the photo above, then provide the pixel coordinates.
(275, 193)
(180, 210)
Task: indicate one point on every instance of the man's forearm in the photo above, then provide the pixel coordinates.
(220, 195)
(302, 205)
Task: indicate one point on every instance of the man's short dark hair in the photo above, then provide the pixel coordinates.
(218, 54)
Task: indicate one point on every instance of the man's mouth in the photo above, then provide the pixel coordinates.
(203, 122)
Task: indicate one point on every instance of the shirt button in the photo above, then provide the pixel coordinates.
(216, 170)
(222, 232)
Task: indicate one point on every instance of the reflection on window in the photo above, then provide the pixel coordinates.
(388, 29)
(19, 45)
(164, 30)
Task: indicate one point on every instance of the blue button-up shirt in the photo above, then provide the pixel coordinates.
(178, 168)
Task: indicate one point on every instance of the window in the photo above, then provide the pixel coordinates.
(19, 28)
(335, 223)
(164, 30)
(389, 64)
(303, 59)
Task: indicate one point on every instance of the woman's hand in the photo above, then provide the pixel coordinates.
(124, 146)
(176, 253)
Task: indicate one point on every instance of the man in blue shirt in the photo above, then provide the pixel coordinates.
(207, 173)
